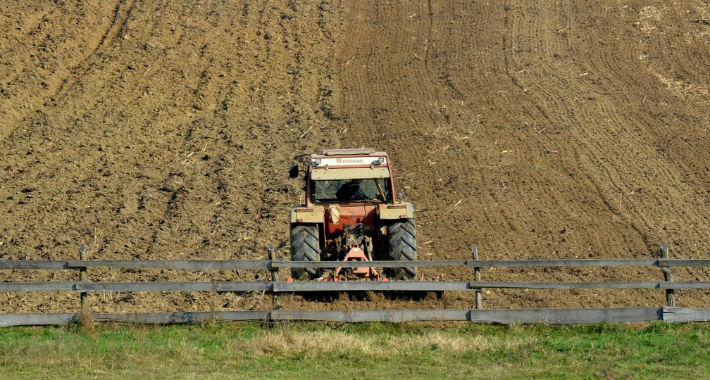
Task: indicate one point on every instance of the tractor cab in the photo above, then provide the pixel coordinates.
(349, 176)
(350, 211)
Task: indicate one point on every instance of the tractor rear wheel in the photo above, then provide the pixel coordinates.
(305, 246)
(403, 246)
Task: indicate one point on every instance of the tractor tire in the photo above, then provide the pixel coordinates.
(403, 246)
(305, 246)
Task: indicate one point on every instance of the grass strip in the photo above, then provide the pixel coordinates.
(364, 350)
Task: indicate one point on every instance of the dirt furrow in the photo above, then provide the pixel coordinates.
(548, 132)
(44, 46)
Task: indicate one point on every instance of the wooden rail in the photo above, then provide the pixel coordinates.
(270, 264)
(551, 316)
(275, 287)
(341, 286)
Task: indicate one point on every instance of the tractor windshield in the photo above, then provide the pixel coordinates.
(351, 190)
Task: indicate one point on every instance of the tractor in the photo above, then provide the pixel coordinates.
(351, 214)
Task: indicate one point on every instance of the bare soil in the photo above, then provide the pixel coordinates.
(164, 129)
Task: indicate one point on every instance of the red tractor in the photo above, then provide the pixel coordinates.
(351, 213)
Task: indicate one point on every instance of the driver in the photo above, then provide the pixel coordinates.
(351, 191)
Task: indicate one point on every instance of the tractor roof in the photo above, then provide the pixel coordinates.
(348, 158)
(351, 152)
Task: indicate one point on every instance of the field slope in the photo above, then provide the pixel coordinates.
(164, 129)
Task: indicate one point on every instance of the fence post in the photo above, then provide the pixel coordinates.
(82, 278)
(213, 316)
(275, 297)
(668, 276)
(477, 278)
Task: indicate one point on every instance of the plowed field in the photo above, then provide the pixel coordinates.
(164, 129)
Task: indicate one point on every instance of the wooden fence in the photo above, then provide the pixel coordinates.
(275, 287)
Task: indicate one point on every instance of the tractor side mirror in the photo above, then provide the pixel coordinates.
(293, 171)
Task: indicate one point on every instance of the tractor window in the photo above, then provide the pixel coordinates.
(348, 190)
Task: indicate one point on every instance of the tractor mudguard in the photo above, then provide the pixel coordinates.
(404, 210)
(303, 214)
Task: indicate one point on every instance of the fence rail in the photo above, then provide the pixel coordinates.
(275, 287)
(271, 264)
(341, 286)
(551, 316)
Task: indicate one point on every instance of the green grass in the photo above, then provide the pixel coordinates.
(367, 350)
